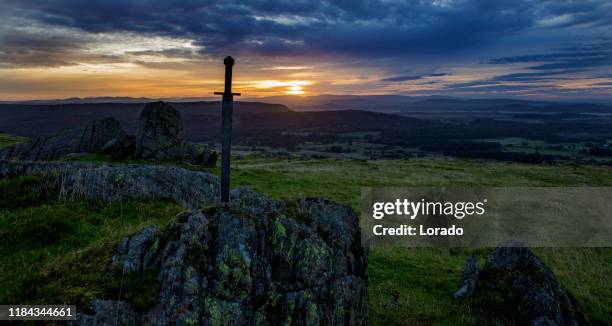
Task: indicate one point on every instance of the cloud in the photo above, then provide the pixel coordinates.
(410, 39)
(294, 28)
(568, 58)
(411, 77)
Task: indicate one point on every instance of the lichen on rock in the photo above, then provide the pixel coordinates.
(253, 263)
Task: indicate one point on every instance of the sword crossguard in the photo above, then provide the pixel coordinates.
(223, 93)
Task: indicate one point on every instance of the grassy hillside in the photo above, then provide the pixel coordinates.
(8, 139)
(424, 279)
(342, 180)
(58, 251)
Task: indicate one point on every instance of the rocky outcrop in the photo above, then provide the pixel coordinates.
(119, 182)
(160, 137)
(516, 284)
(91, 139)
(256, 262)
(160, 134)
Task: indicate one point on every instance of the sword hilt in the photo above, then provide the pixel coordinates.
(223, 93)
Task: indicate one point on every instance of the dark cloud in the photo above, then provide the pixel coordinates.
(565, 63)
(357, 28)
(567, 58)
(537, 76)
(411, 77)
(588, 62)
(497, 87)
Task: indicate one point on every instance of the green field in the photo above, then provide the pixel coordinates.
(57, 251)
(426, 278)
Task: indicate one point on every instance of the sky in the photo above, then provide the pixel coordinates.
(528, 49)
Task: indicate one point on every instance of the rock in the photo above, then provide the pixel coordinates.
(469, 277)
(98, 133)
(120, 148)
(298, 263)
(138, 252)
(516, 284)
(160, 134)
(119, 182)
(90, 139)
(197, 155)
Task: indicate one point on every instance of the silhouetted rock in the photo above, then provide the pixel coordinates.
(515, 284)
(90, 139)
(160, 136)
(258, 262)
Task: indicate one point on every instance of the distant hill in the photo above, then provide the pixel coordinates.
(377, 103)
(36, 120)
(407, 104)
(380, 103)
(108, 99)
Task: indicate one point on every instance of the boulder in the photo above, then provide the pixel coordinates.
(98, 133)
(120, 148)
(90, 139)
(196, 155)
(255, 262)
(516, 285)
(160, 134)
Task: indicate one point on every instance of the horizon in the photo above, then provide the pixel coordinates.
(290, 99)
(472, 49)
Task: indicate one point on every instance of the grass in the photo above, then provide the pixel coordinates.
(56, 252)
(424, 279)
(8, 140)
(342, 180)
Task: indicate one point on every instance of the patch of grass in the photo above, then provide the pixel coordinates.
(23, 192)
(58, 252)
(8, 140)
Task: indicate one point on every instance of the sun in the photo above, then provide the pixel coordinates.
(295, 90)
(288, 87)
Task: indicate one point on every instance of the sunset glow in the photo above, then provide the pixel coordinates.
(544, 53)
